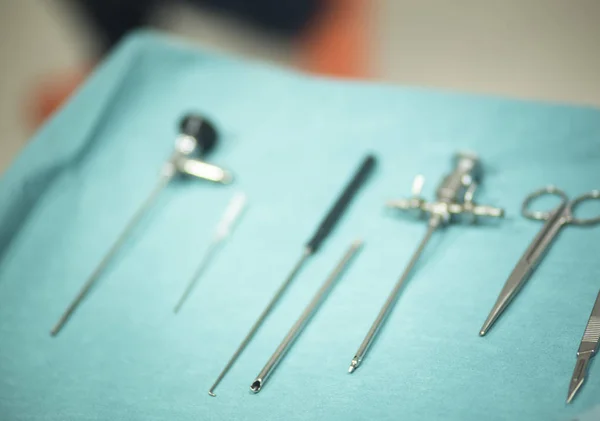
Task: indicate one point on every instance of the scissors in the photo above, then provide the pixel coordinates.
(562, 215)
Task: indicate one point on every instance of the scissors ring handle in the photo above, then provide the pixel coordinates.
(594, 194)
(543, 215)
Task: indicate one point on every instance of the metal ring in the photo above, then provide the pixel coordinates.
(541, 215)
(594, 194)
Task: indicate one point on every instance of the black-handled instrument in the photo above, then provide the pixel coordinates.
(342, 203)
(324, 229)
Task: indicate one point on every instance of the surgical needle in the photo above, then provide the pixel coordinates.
(227, 222)
(312, 246)
(197, 135)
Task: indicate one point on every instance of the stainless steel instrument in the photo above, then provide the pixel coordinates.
(226, 224)
(314, 244)
(454, 201)
(556, 219)
(197, 137)
(304, 318)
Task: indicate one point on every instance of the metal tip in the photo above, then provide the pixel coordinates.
(189, 287)
(353, 365)
(179, 303)
(570, 396)
(255, 387)
(573, 389)
(490, 321)
(58, 326)
(210, 392)
(578, 375)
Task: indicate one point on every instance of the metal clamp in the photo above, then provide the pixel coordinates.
(454, 195)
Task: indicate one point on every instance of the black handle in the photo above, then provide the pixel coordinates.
(201, 129)
(342, 203)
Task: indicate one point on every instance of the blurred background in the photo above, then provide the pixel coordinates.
(546, 50)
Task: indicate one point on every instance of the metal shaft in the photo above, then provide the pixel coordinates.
(389, 303)
(304, 318)
(230, 216)
(324, 229)
(208, 255)
(163, 181)
(307, 252)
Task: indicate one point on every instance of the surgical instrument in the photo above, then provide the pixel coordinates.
(557, 218)
(587, 349)
(304, 318)
(227, 222)
(197, 137)
(454, 199)
(324, 229)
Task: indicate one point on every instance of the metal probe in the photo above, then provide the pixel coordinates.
(304, 318)
(454, 199)
(197, 137)
(227, 222)
(312, 246)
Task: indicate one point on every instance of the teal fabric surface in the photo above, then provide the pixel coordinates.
(292, 142)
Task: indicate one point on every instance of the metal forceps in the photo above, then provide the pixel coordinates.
(557, 218)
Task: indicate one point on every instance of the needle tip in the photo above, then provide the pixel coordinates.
(353, 365)
(210, 392)
(487, 326)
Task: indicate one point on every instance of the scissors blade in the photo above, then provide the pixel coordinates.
(524, 267)
(511, 288)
